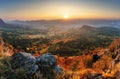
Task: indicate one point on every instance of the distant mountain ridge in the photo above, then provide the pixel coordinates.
(2, 22)
(68, 23)
(7, 26)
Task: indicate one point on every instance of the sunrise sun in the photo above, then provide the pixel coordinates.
(66, 16)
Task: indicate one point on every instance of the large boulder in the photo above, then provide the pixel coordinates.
(45, 64)
(47, 60)
(48, 65)
(24, 62)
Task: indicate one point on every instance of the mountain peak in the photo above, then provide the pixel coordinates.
(1, 22)
(87, 27)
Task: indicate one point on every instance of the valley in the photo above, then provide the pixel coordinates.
(85, 52)
(63, 41)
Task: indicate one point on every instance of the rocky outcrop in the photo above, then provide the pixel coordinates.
(48, 65)
(24, 62)
(47, 60)
(29, 65)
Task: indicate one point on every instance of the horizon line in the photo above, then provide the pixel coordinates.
(70, 19)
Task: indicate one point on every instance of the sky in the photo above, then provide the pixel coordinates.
(59, 9)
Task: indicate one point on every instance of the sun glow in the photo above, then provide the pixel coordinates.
(66, 16)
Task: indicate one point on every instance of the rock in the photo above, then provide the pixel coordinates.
(57, 69)
(45, 64)
(47, 60)
(48, 64)
(24, 61)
